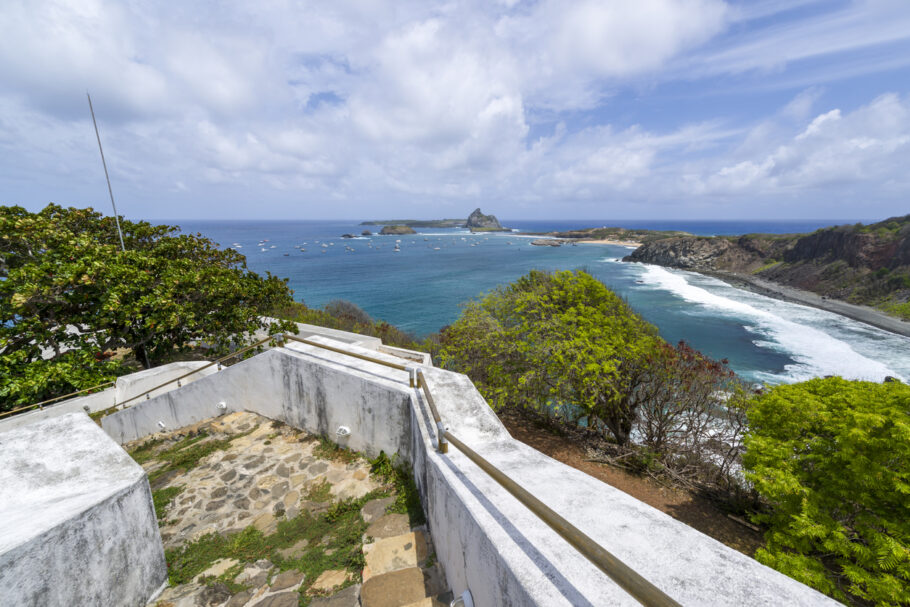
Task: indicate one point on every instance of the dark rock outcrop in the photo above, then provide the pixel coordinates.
(863, 264)
(477, 220)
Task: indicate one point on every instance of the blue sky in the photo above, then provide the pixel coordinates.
(653, 109)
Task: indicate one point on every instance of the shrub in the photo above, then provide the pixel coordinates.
(832, 458)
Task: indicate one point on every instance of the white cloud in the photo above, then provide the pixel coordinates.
(412, 102)
(869, 144)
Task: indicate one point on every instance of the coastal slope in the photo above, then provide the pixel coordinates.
(862, 265)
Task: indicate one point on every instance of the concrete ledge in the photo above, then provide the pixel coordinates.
(485, 539)
(78, 525)
(125, 387)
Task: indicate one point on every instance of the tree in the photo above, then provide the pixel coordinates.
(68, 294)
(832, 458)
(552, 340)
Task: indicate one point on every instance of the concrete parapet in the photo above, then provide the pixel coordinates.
(485, 539)
(125, 387)
(77, 524)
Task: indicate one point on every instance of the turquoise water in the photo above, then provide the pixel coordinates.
(421, 287)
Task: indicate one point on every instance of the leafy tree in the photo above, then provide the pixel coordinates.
(555, 338)
(832, 457)
(68, 294)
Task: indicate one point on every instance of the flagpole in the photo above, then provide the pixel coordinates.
(106, 176)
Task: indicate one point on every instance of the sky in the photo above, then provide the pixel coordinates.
(653, 109)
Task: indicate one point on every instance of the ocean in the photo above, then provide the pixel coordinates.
(421, 288)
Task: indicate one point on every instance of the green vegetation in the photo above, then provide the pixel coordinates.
(832, 459)
(901, 310)
(407, 497)
(418, 223)
(335, 541)
(346, 316)
(62, 269)
(183, 454)
(162, 499)
(566, 347)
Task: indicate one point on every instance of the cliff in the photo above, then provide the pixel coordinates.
(860, 264)
(485, 223)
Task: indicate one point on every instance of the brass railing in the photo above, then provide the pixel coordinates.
(53, 400)
(628, 579)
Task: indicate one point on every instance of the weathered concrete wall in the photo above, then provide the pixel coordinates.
(317, 393)
(134, 384)
(126, 387)
(485, 539)
(77, 524)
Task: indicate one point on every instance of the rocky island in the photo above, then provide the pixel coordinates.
(620, 236)
(396, 230)
(860, 265)
(478, 222)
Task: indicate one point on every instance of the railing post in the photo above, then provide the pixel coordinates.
(412, 376)
(441, 433)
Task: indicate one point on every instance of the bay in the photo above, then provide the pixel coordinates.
(421, 287)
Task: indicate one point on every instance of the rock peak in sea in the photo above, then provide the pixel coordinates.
(478, 220)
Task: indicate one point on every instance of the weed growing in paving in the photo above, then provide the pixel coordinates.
(326, 449)
(183, 455)
(163, 497)
(407, 498)
(334, 542)
(320, 492)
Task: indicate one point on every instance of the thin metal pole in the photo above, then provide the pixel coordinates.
(106, 176)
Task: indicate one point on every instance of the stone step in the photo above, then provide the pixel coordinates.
(395, 589)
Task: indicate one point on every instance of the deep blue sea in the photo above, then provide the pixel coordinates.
(421, 288)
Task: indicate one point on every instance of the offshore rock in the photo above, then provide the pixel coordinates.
(477, 220)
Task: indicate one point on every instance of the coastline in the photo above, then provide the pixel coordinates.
(863, 314)
(622, 243)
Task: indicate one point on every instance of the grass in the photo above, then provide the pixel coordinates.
(335, 541)
(320, 492)
(183, 455)
(407, 498)
(326, 449)
(163, 497)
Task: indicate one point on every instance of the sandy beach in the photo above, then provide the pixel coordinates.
(622, 243)
(863, 314)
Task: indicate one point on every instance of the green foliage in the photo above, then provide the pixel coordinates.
(67, 288)
(832, 457)
(407, 497)
(183, 455)
(554, 338)
(335, 542)
(346, 316)
(163, 497)
(326, 449)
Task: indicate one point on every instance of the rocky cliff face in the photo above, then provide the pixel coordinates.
(868, 264)
(478, 220)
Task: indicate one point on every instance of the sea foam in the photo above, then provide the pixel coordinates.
(819, 343)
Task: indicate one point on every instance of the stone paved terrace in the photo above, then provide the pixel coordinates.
(253, 512)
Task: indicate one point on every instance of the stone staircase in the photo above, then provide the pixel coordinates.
(401, 569)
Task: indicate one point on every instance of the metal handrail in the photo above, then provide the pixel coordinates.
(378, 361)
(627, 578)
(217, 361)
(440, 428)
(51, 400)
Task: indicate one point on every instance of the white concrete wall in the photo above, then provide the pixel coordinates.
(77, 524)
(485, 539)
(125, 387)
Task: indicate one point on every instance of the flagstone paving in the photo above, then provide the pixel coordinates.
(255, 513)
